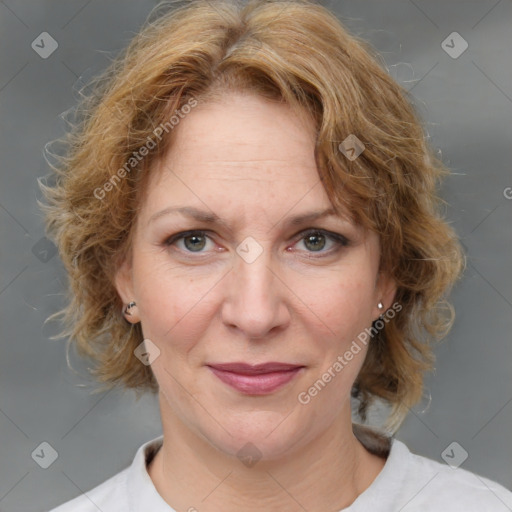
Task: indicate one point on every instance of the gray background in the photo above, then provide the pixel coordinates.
(467, 105)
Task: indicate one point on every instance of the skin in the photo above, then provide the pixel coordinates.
(251, 162)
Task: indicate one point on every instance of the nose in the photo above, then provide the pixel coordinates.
(256, 298)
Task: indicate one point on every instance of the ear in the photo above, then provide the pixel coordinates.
(124, 285)
(385, 291)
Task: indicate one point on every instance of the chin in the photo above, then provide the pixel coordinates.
(264, 435)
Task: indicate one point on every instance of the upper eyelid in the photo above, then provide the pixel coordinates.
(326, 232)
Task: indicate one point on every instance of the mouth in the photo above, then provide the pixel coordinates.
(260, 379)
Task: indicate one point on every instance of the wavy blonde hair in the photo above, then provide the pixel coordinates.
(293, 51)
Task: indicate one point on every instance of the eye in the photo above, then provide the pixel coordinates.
(194, 241)
(315, 240)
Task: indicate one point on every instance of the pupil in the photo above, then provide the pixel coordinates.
(313, 237)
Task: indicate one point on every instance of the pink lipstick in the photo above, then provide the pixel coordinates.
(259, 379)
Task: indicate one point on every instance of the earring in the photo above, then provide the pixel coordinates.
(128, 307)
(380, 305)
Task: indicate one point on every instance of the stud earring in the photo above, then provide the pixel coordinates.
(128, 307)
(380, 305)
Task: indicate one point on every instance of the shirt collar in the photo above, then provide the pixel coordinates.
(141, 489)
(383, 492)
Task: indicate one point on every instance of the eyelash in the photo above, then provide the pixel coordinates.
(338, 239)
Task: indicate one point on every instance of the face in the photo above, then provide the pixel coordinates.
(254, 286)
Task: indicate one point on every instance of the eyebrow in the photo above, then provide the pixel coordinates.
(214, 219)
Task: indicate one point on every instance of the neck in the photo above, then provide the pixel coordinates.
(326, 474)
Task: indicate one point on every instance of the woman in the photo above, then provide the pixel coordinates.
(249, 219)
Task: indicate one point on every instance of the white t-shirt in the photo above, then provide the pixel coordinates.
(407, 483)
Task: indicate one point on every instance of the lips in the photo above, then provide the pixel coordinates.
(257, 379)
(256, 369)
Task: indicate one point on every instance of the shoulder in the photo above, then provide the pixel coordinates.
(414, 483)
(109, 496)
(433, 486)
(130, 489)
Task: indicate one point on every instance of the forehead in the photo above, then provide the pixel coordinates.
(240, 148)
(244, 130)
(246, 166)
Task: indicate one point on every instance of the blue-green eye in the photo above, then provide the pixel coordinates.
(194, 241)
(316, 240)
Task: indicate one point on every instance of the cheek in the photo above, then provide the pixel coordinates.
(173, 305)
(340, 303)
(339, 312)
